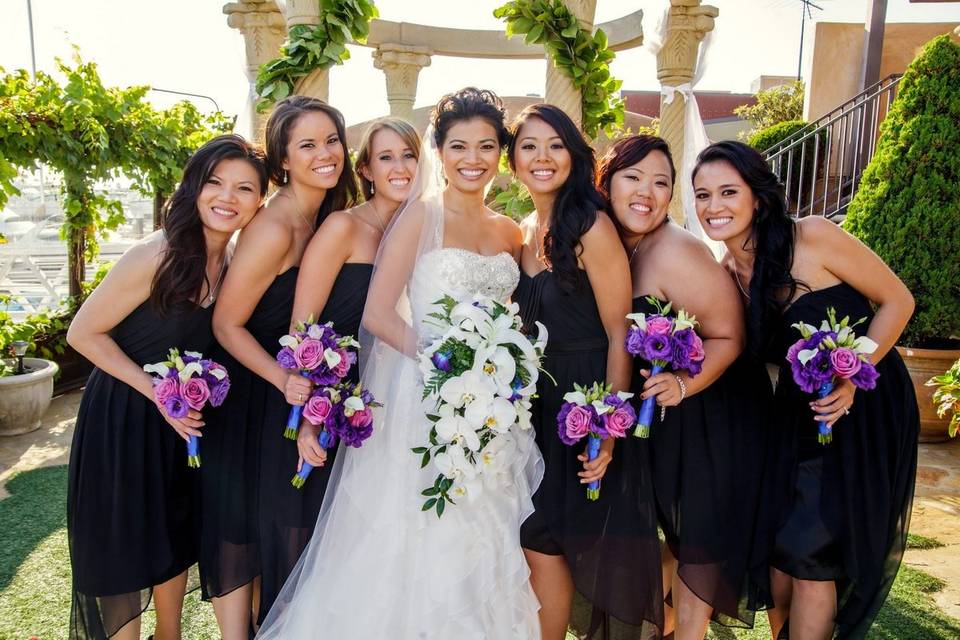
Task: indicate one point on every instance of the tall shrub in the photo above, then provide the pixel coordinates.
(908, 207)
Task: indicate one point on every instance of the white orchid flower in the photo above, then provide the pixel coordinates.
(159, 368)
(467, 388)
(189, 370)
(331, 357)
(497, 364)
(498, 415)
(523, 416)
(289, 341)
(497, 455)
(464, 487)
(458, 430)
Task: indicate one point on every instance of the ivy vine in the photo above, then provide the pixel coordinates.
(582, 57)
(310, 47)
(87, 133)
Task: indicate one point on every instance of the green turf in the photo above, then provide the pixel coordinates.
(922, 542)
(35, 577)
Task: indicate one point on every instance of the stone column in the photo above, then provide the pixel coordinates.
(316, 84)
(264, 31)
(687, 24)
(401, 66)
(560, 90)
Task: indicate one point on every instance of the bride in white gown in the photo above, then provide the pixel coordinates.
(377, 566)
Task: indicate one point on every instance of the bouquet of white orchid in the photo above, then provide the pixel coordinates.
(479, 377)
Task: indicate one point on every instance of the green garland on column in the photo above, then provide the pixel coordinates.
(310, 47)
(582, 57)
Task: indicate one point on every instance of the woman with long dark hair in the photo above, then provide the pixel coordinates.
(308, 161)
(132, 501)
(840, 511)
(575, 280)
(707, 448)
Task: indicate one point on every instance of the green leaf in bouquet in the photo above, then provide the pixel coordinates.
(429, 504)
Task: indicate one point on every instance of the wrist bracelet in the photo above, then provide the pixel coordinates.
(683, 387)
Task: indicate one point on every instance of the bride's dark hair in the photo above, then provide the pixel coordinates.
(467, 104)
(772, 239)
(182, 272)
(577, 201)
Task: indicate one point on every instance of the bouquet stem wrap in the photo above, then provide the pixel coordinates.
(647, 409)
(825, 435)
(326, 439)
(293, 419)
(193, 452)
(593, 450)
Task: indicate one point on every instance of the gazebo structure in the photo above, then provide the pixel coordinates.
(402, 49)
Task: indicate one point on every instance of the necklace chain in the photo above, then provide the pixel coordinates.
(296, 207)
(376, 214)
(736, 276)
(215, 289)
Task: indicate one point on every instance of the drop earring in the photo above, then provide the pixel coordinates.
(285, 178)
(372, 190)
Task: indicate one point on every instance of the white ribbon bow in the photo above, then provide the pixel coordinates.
(668, 91)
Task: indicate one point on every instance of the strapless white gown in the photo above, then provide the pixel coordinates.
(379, 568)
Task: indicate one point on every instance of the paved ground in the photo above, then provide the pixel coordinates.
(936, 508)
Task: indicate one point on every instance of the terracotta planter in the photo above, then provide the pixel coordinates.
(25, 397)
(923, 364)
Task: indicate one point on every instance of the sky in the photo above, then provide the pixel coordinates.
(186, 45)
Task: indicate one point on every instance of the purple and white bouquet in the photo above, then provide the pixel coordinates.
(595, 413)
(667, 342)
(321, 355)
(824, 356)
(187, 382)
(479, 377)
(344, 412)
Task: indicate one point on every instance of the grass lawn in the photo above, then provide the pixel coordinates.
(35, 577)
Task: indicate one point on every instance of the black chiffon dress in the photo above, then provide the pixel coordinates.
(707, 457)
(843, 509)
(610, 544)
(230, 541)
(287, 514)
(131, 499)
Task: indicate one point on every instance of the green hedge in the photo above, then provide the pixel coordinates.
(765, 138)
(908, 207)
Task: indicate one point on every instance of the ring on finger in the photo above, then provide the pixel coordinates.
(299, 397)
(846, 411)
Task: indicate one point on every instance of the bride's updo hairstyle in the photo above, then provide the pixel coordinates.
(467, 104)
(577, 201)
(772, 238)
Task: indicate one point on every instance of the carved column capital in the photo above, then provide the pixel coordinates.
(401, 66)
(301, 12)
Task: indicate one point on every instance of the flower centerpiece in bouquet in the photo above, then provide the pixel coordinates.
(667, 342)
(595, 413)
(187, 382)
(479, 377)
(826, 355)
(319, 354)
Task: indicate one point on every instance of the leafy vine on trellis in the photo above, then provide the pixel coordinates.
(582, 57)
(310, 47)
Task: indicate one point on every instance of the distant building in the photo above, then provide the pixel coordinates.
(716, 110)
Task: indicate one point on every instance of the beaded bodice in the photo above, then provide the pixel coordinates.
(460, 274)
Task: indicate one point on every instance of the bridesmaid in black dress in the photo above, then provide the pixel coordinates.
(331, 287)
(575, 280)
(707, 454)
(132, 501)
(307, 159)
(840, 512)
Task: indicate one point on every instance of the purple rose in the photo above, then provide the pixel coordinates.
(195, 392)
(218, 392)
(659, 325)
(176, 407)
(866, 377)
(657, 347)
(317, 409)
(308, 354)
(635, 341)
(845, 362)
(619, 421)
(342, 367)
(578, 423)
(441, 360)
(286, 358)
(164, 389)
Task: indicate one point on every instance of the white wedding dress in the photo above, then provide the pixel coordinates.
(380, 568)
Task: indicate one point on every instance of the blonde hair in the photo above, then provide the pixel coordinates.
(400, 127)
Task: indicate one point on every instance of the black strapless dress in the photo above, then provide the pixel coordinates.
(843, 510)
(610, 544)
(131, 499)
(230, 474)
(707, 457)
(288, 515)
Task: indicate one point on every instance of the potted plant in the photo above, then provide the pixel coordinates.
(907, 210)
(947, 396)
(26, 384)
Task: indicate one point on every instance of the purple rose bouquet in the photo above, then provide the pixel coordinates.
(187, 382)
(321, 355)
(595, 413)
(668, 343)
(344, 412)
(826, 355)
